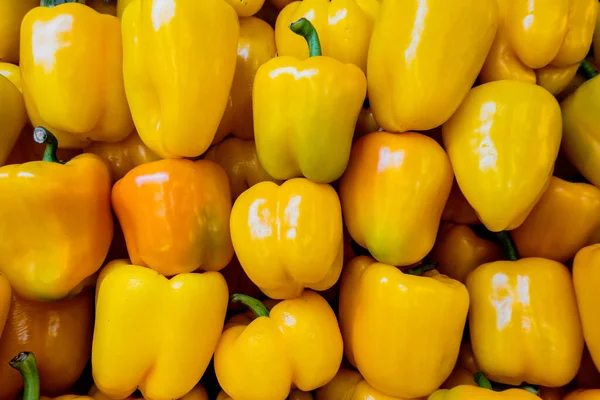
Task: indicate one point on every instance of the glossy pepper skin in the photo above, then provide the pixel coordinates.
(256, 45)
(12, 72)
(289, 237)
(468, 392)
(344, 27)
(182, 319)
(489, 141)
(60, 335)
(71, 229)
(77, 103)
(415, 46)
(305, 108)
(12, 14)
(178, 64)
(246, 8)
(561, 223)
(534, 34)
(175, 215)
(13, 116)
(240, 161)
(297, 343)
(387, 315)
(123, 156)
(121, 4)
(350, 385)
(386, 166)
(521, 331)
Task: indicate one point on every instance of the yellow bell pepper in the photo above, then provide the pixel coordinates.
(415, 48)
(12, 12)
(582, 394)
(123, 156)
(13, 116)
(69, 237)
(344, 27)
(396, 326)
(535, 34)
(103, 6)
(153, 333)
(62, 93)
(305, 109)
(240, 161)
(246, 8)
(197, 393)
(297, 343)
(457, 209)
(289, 237)
(350, 385)
(178, 62)
(468, 392)
(458, 251)
(12, 73)
(521, 330)
(490, 140)
(392, 203)
(561, 223)
(121, 4)
(294, 395)
(556, 79)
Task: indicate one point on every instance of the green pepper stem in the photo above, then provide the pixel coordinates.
(53, 3)
(482, 381)
(531, 389)
(421, 269)
(587, 70)
(304, 28)
(43, 136)
(257, 306)
(26, 365)
(508, 245)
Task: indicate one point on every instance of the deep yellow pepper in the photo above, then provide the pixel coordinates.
(561, 223)
(62, 93)
(67, 241)
(297, 343)
(240, 161)
(305, 108)
(294, 395)
(153, 333)
(197, 393)
(468, 392)
(489, 141)
(13, 116)
(178, 63)
(344, 27)
(350, 385)
(387, 316)
(392, 203)
(12, 72)
(256, 45)
(458, 210)
(521, 330)
(289, 237)
(10, 25)
(416, 46)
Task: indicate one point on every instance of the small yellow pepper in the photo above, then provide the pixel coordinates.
(350, 385)
(13, 116)
(12, 72)
(297, 343)
(12, 12)
(246, 8)
(468, 392)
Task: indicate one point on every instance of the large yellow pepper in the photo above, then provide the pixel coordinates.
(305, 109)
(297, 343)
(415, 48)
(561, 223)
(468, 392)
(524, 323)
(13, 116)
(12, 12)
(179, 59)
(396, 326)
(392, 202)
(240, 161)
(197, 393)
(490, 140)
(256, 45)
(344, 27)
(153, 333)
(289, 237)
(62, 93)
(69, 237)
(350, 385)
(582, 394)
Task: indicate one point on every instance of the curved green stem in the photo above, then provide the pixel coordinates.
(258, 307)
(421, 269)
(53, 3)
(26, 365)
(508, 245)
(304, 28)
(587, 70)
(482, 381)
(43, 136)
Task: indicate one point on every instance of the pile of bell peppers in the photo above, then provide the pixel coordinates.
(303, 200)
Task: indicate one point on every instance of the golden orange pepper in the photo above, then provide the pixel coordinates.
(175, 215)
(468, 392)
(179, 60)
(414, 49)
(240, 161)
(458, 209)
(197, 393)
(62, 93)
(387, 315)
(13, 116)
(521, 330)
(297, 343)
(582, 394)
(561, 223)
(10, 25)
(256, 45)
(489, 139)
(123, 156)
(57, 221)
(305, 108)
(60, 335)
(103, 6)
(181, 320)
(392, 204)
(289, 237)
